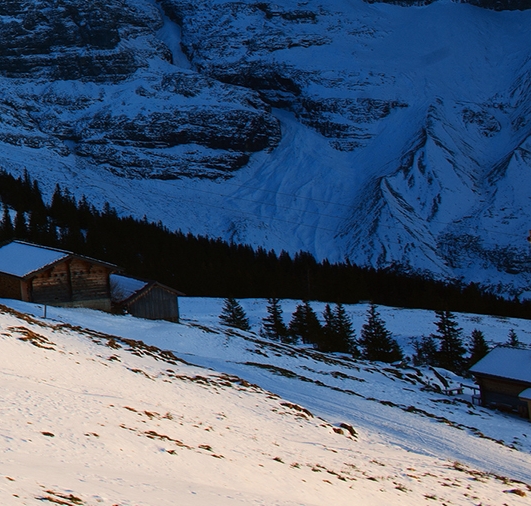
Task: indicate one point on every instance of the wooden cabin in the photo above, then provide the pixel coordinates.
(55, 277)
(504, 379)
(144, 298)
(525, 396)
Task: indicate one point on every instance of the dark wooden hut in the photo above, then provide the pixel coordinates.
(504, 379)
(144, 298)
(55, 277)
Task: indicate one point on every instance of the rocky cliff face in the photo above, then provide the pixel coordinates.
(502, 5)
(391, 135)
(93, 80)
(238, 42)
(497, 5)
(61, 40)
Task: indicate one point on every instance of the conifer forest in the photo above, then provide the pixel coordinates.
(202, 266)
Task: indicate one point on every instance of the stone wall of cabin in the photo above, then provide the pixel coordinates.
(75, 282)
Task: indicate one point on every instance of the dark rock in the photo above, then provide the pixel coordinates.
(226, 52)
(497, 5)
(94, 51)
(56, 39)
(215, 128)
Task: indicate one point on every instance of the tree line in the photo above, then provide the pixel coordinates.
(202, 266)
(336, 334)
(449, 349)
(446, 348)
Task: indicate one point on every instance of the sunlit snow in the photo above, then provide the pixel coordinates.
(91, 415)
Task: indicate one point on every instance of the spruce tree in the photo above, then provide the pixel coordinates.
(479, 347)
(21, 228)
(36, 197)
(337, 332)
(376, 341)
(451, 351)
(56, 208)
(305, 325)
(512, 339)
(233, 315)
(7, 225)
(273, 327)
(425, 351)
(329, 331)
(346, 338)
(38, 225)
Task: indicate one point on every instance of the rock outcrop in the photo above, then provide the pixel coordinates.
(93, 80)
(497, 5)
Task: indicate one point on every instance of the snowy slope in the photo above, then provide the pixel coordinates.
(390, 135)
(92, 416)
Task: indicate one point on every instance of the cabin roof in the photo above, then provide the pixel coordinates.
(125, 288)
(525, 395)
(505, 362)
(21, 259)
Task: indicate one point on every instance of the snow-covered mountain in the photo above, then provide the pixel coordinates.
(394, 135)
(94, 411)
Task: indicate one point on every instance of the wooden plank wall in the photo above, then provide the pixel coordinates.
(156, 304)
(89, 281)
(10, 287)
(73, 282)
(503, 394)
(52, 286)
(503, 387)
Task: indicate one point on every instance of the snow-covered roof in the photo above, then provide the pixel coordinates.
(20, 259)
(526, 394)
(123, 287)
(506, 362)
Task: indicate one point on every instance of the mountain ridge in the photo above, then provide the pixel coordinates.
(388, 135)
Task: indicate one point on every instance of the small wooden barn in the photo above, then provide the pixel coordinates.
(504, 379)
(525, 396)
(55, 277)
(144, 298)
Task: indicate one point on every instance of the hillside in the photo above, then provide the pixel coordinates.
(92, 415)
(392, 135)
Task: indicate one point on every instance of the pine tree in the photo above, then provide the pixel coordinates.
(512, 339)
(305, 325)
(38, 225)
(273, 327)
(86, 213)
(346, 338)
(425, 351)
(337, 332)
(57, 207)
(72, 238)
(36, 197)
(21, 228)
(451, 351)
(329, 331)
(7, 225)
(233, 315)
(376, 341)
(479, 347)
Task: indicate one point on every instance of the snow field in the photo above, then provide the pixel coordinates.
(93, 419)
